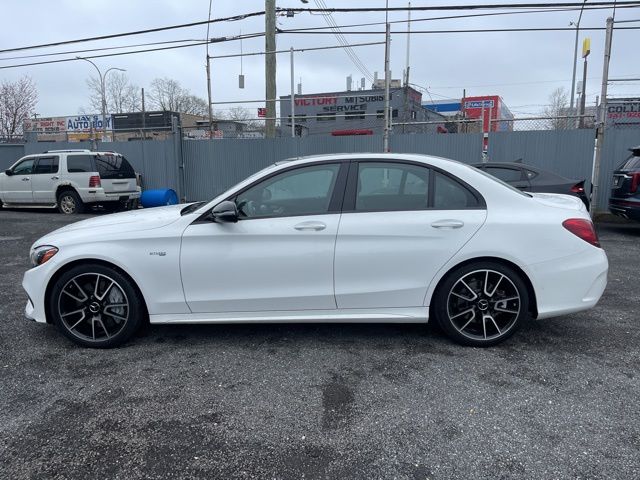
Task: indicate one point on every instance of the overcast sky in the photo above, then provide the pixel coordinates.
(524, 68)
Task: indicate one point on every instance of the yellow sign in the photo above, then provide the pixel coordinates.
(586, 47)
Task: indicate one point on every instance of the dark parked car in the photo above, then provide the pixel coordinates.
(534, 179)
(625, 191)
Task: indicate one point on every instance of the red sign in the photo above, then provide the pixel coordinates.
(262, 112)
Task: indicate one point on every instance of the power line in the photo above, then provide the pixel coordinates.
(53, 54)
(62, 60)
(618, 4)
(341, 39)
(475, 30)
(137, 32)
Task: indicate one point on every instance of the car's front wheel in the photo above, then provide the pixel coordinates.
(481, 304)
(96, 306)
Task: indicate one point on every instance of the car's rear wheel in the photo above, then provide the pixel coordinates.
(69, 202)
(96, 306)
(481, 304)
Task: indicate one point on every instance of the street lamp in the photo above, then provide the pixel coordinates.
(102, 92)
(575, 58)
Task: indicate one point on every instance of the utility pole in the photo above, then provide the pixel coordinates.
(406, 73)
(208, 67)
(144, 120)
(270, 67)
(575, 60)
(293, 102)
(387, 84)
(602, 117)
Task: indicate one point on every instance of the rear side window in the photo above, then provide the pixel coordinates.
(80, 163)
(46, 165)
(631, 163)
(451, 195)
(391, 187)
(114, 166)
(505, 174)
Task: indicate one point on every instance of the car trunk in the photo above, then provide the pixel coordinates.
(626, 179)
(116, 173)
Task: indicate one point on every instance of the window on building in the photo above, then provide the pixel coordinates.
(394, 113)
(380, 113)
(414, 114)
(325, 117)
(359, 115)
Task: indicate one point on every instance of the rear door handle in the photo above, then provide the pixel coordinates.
(448, 224)
(55, 177)
(25, 179)
(306, 226)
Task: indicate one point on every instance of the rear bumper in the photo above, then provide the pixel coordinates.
(99, 195)
(625, 208)
(570, 284)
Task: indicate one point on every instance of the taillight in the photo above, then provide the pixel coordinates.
(578, 187)
(94, 181)
(582, 228)
(635, 182)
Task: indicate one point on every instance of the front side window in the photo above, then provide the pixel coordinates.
(505, 174)
(25, 167)
(80, 163)
(391, 187)
(303, 191)
(450, 194)
(46, 165)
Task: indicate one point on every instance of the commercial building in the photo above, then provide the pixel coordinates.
(492, 108)
(359, 112)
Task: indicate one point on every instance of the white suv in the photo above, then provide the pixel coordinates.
(70, 180)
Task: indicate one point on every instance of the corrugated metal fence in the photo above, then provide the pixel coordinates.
(200, 169)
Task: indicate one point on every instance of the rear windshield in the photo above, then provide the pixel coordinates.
(631, 163)
(114, 166)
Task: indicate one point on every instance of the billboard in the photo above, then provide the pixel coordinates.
(623, 111)
(45, 126)
(72, 128)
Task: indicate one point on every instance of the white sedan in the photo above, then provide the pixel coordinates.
(334, 238)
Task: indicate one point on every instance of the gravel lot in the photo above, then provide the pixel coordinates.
(559, 400)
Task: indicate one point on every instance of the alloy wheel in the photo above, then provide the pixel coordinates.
(67, 204)
(483, 305)
(93, 307)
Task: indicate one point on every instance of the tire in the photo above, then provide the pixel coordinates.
(481, 304)
(69, 202)
(96, 306)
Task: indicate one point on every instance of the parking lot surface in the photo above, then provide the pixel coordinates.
(558, 400)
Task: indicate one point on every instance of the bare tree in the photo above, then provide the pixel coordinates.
(168, 94)
(558, 108)
(17, 101)
(121, 94)
(242, 114)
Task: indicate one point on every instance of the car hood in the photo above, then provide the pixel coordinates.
(558, 200)
(137, 220)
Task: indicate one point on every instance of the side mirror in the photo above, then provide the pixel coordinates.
(225, 212)
(8, 172)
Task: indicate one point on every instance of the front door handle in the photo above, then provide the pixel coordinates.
(25, 179)
(448, 224)
(315, 226)
(55, 177)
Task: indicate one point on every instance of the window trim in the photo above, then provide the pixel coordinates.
(352, 187)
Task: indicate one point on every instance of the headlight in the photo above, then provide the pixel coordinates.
(42, 254)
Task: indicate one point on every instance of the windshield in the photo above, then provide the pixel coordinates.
(631, 163)
(497, 180)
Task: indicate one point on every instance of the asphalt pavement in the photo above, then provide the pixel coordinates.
(558, 400)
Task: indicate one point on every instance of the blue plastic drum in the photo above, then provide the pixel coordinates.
(158, 198)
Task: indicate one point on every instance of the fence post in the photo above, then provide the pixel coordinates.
(176, 132)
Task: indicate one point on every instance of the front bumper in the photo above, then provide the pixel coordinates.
(34, 283)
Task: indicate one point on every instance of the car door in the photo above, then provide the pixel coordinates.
(17, 186)
(511, 175)
(278, 256)
(401, 223)
(44, 179)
